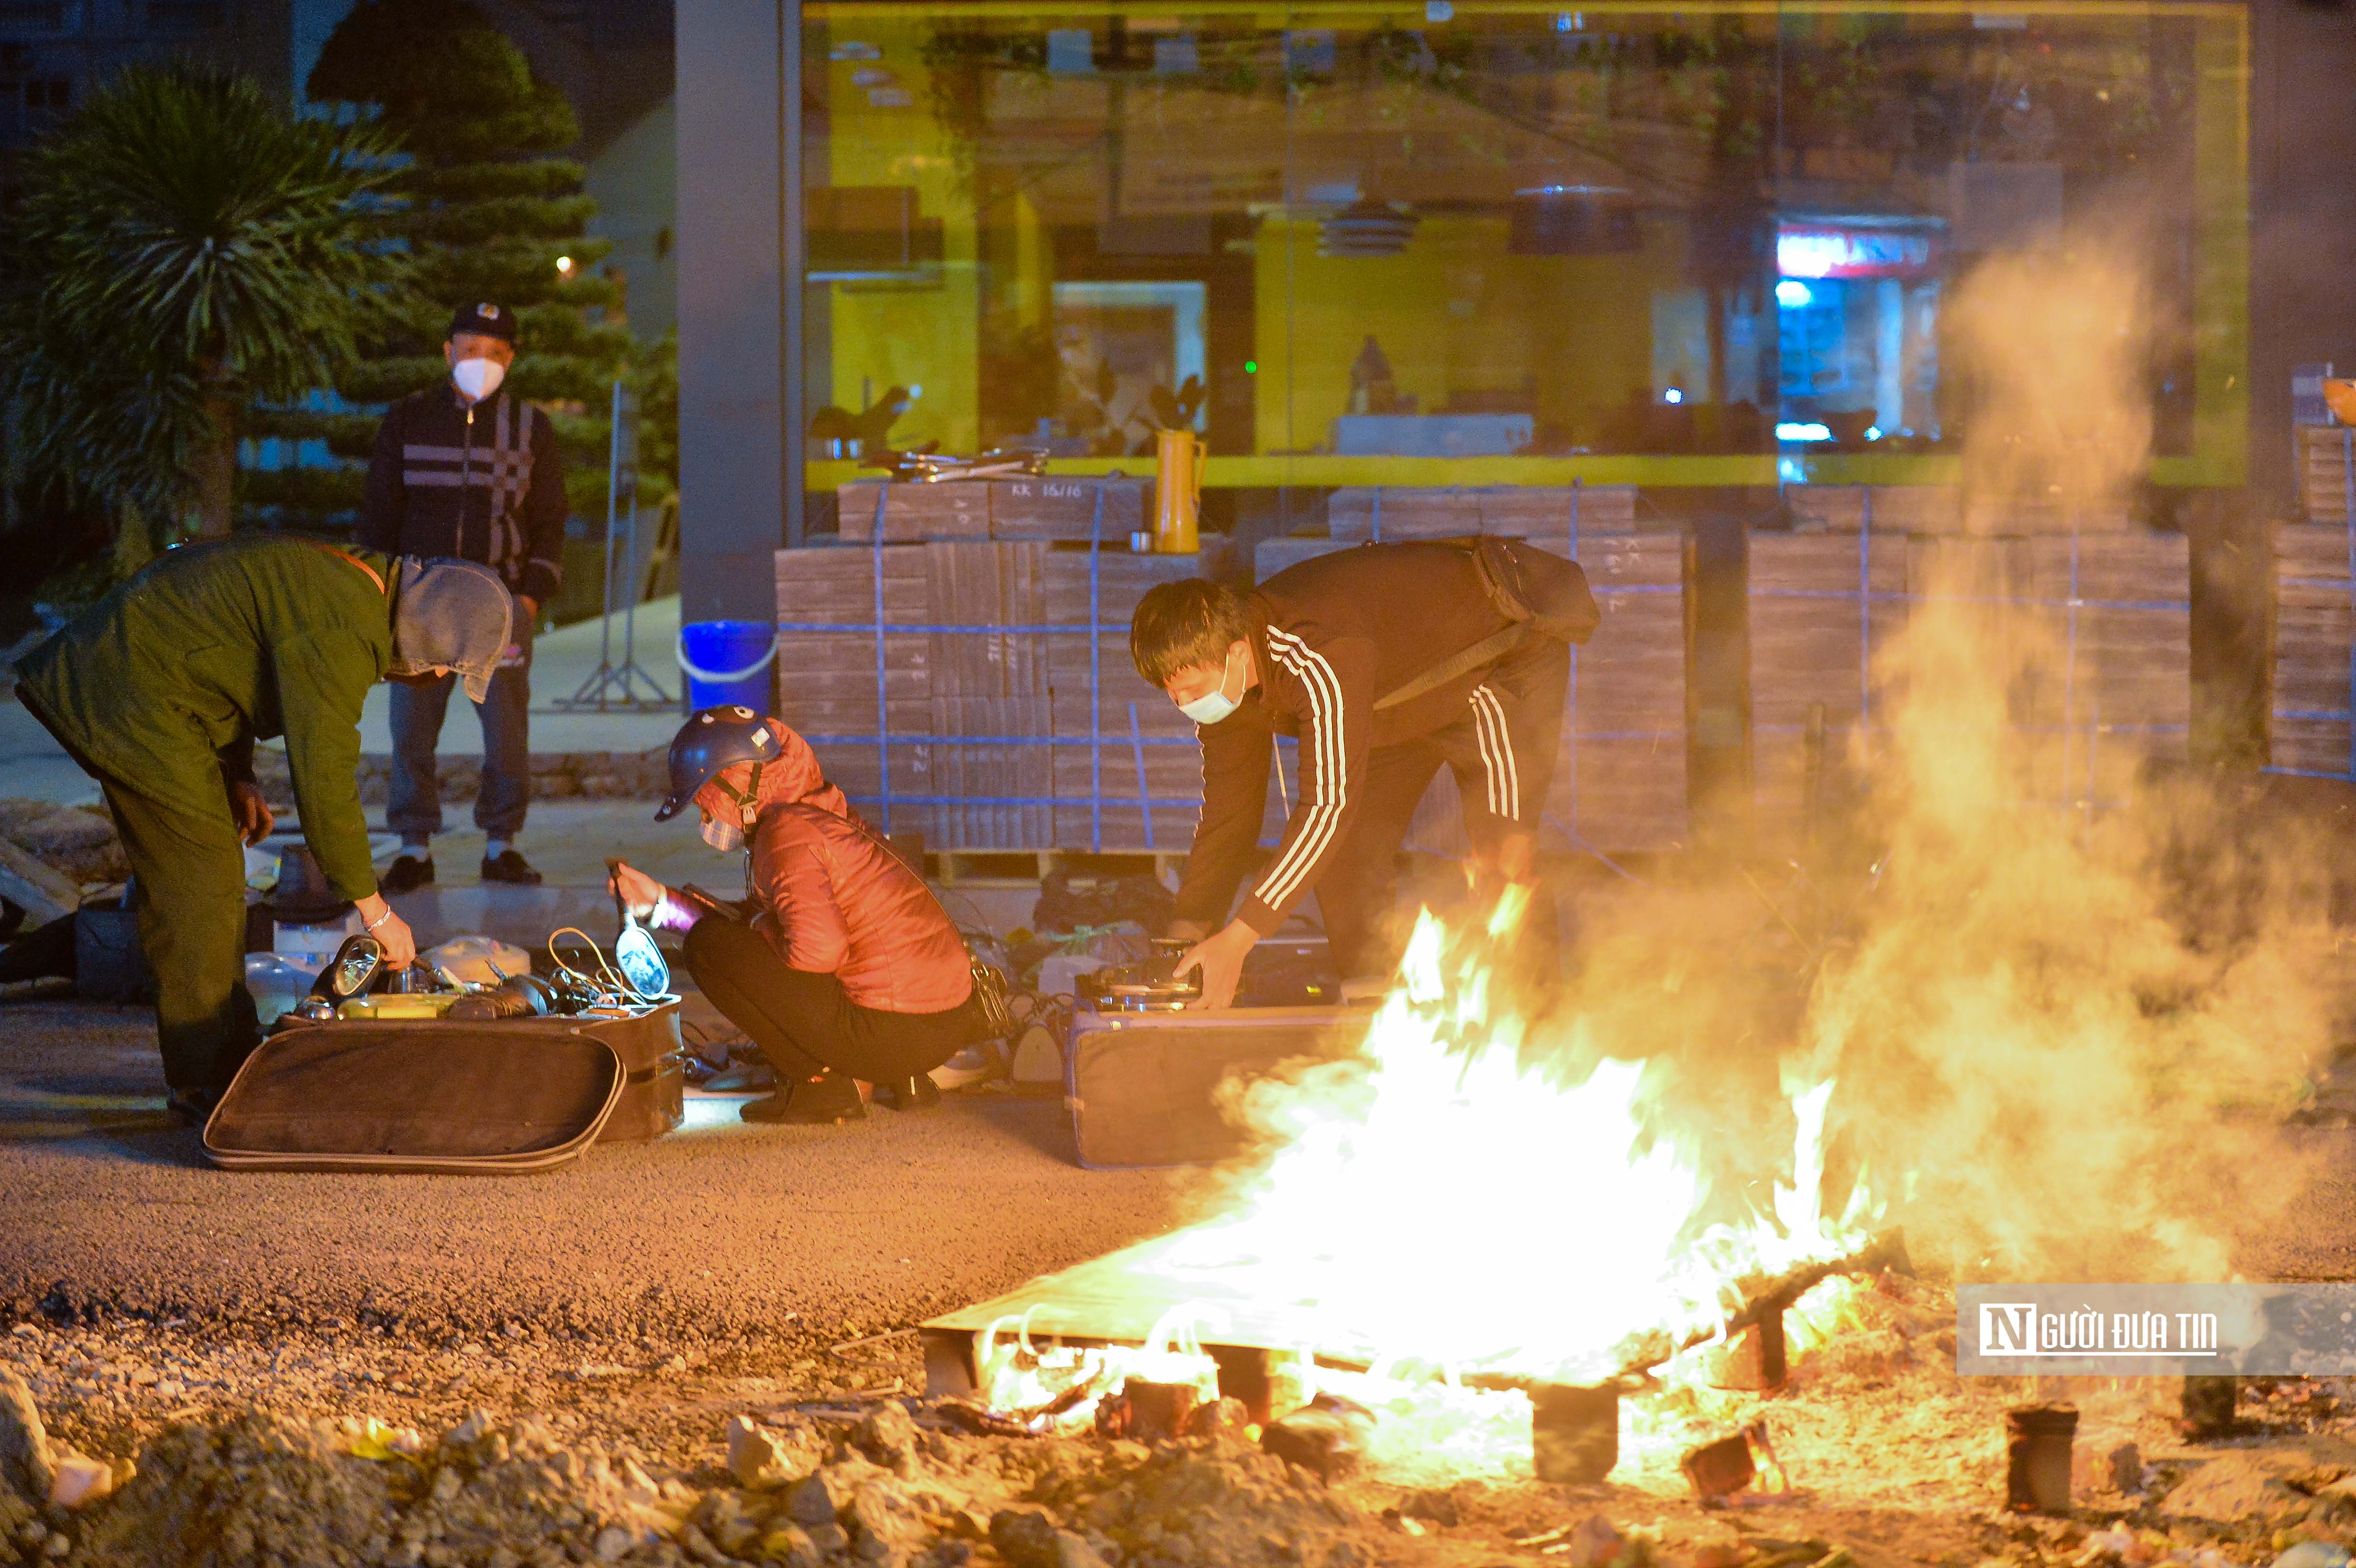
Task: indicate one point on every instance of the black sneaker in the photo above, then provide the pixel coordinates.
(509, 866)
(407, 874)
(917, 1093)
(811, 1101)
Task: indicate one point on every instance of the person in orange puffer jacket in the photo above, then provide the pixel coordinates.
(850, 970)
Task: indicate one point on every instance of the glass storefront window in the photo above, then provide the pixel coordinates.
(1497, 243)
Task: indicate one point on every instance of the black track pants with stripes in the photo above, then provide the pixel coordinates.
(1501, 749)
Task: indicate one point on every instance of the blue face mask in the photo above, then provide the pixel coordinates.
(1215, 704)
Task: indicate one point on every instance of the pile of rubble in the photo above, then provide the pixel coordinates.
(53, 856)
(886, 1485)
(1890, 1457)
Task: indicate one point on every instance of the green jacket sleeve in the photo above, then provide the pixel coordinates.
(323, 677)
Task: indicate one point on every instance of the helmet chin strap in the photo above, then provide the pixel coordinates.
(748, 809)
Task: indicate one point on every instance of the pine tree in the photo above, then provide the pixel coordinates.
(208, 240)
(486, 213)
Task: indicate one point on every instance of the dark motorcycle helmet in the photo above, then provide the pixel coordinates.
(714, 739)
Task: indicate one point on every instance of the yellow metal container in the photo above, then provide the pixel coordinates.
(1177, 492)
(394, 1005)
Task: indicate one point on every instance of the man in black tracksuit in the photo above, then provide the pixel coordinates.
(469, 470)
(1384, 661)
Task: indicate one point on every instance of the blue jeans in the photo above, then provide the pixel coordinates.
(414, 810)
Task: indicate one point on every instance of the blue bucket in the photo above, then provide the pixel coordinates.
(727, 661)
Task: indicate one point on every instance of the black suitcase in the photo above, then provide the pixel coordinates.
(501, 1096)
(1142, 1086)
(654, 1059)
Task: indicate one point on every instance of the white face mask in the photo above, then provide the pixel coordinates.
(1215, 704)
(724, 836)
(478, 378)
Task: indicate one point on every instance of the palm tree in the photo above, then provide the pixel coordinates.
(184, 244)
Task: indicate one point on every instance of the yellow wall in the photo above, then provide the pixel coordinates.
(887, 334)
(1453, 312)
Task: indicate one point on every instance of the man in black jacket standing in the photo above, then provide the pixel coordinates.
(470, 470)
(1387, 662)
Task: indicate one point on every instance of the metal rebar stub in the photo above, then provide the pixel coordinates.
(1244, 1374)
(2037, 1457)
(1575, 1431)
(1719, 1468)
(1754, 1361)
(1155, 1413)
(2207, 1406)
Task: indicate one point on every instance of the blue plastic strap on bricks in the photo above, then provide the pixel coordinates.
(883, 707)
(974, 629)
(1137, 749)
(1570, 706)
(2070, 666)
(1096, 677)
(913, 739)
(1582, 844)
(1864, 611)
(1162, 803)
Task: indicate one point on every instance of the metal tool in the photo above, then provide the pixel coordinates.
(939, 468)
(1151, 987)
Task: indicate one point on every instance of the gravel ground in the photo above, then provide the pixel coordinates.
(722, 1233)
(344, 1369)
(221, 1451)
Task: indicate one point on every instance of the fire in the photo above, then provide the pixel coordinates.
(1056, 1388)
(1451, 1205)
(1445, 1198)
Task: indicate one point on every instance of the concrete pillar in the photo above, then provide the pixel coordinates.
(740, 482)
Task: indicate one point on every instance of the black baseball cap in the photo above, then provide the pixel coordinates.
(484, 321)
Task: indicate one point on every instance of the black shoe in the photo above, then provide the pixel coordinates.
(191, 1107)
(811, 1102)
(407, 874)
(917, 1093)
(509, 866)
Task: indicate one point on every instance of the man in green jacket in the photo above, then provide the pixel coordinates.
(159, 691)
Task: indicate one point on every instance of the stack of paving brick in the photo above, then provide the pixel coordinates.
(1620, 779)
(1098, 761)
(2324, 462)
(1822, 606)
(2104, 610)
(1054, 508)
(828, 682)
(2314, 614)
(1357, 513)
(1019, 763)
